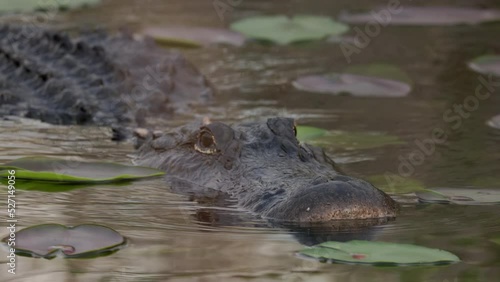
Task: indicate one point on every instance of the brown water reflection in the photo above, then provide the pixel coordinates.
(172, 238)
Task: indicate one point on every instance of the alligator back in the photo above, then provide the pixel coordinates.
(93, 78)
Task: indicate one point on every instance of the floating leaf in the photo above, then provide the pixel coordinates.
(56, 187)
(49, 169)
(306, 133)
(349, 84)
(82, 241)
(404, 15)
(487, 64)
(284, 30)
(494, 122)
(429, 196)
(379, 253)
(395, 184)
(377, 80)
(194, 36)
(33, 5)
(460, 196)
(44, 186)
(386, 71)
(345, 140)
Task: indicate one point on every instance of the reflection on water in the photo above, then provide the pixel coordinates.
(173, 237)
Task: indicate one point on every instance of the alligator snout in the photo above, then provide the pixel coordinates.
(342, 198)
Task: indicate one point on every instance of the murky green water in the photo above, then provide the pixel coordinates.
(173, 238)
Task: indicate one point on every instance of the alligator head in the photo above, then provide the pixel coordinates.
(265, 168)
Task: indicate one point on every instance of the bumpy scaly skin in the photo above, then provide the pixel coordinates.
(265, 168)
(93, 78)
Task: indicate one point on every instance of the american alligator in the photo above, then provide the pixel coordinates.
(119, 81)
(93, 78)
(265, 168)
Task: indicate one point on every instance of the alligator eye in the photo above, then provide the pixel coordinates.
(206, 143)
(206, 140)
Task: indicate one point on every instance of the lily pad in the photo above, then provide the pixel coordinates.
(395, 184)
(386, 71)
(50, 169)
(194, 36)
(344, 139)
(82, 241)
(495, 122)
(420, 16)
(376, 80)
(284, 30)
(57, 187)
(306, 133)
(430, 196)
(379, 253)
(34, 5)
(460, 196)
(487, 64)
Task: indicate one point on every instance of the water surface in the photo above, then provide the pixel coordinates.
(172, 237)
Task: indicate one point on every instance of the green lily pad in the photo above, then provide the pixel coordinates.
(487, 64)
(430, 15)
(57, 187)
(495, 122)
(306, 133)
(44, 186)
(460, 196)
(379, 253)
(430, 196)
(82, 241)
(386, 71)
(194, 36)
(395, 184)
(284, 30)
(34, 5)
(377, 80)
(345, 140)
(58, 170)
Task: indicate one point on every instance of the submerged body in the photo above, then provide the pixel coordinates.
(265, 168)
(93, 78)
